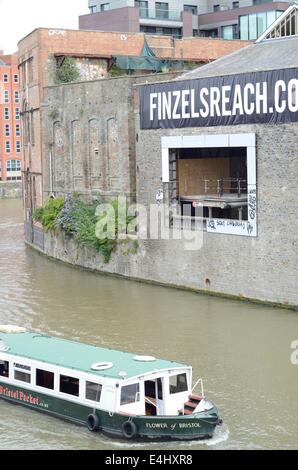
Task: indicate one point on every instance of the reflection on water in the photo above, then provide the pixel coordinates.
(241, 350)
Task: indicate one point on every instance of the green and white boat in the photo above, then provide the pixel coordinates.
(117, 393)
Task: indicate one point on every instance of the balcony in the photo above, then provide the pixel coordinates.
(172, 15)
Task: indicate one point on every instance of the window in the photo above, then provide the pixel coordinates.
(6, 96)
(253, 25)
(93, 391)
(16, 97)
(7, 146)
(16, 78)
(4, 368)
(18, 130)
(45, 379)
(130, 394)
(178, 384)
(104, 7)
(230, 32)
(69, 385)
(195, 32)
(191, 8)
(93, 9)
(216, 8)
(22, 373)
(7, 130)
(6, 113)
(162, 10)
(18, 146)
(22, 376)
(143, 8)
(5, 78)
(235, 4)
(17, 113)
(13, 165)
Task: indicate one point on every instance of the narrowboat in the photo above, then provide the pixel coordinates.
(117, 393)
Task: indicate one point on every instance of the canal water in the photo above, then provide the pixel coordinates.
(241, 350)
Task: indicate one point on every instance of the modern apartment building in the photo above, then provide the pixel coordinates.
(228, 19)
(11, 154)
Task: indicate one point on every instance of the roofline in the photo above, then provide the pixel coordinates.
(278, 20)
(212, 76)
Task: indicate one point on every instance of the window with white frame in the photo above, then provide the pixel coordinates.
(16, 97)
(18, 130)
(7, 130)
(18, 146)
(7, 146)
(6, 113)
(5, 78)
(17, 116)
(6, 96)
(13, 165)
(211, 179)
(16, 78)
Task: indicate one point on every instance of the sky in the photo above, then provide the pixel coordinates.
(20, 17)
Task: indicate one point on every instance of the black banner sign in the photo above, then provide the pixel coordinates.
(259, 97)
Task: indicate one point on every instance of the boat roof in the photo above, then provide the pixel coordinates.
(80, 356)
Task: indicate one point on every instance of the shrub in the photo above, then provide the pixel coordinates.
(67, 72)
(78, 219)
(47, 214)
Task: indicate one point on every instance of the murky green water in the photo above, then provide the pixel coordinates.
(241, 350)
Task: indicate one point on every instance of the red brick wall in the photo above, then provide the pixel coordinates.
(10, 69)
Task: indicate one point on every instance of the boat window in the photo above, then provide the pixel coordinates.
(4, 368)
(22, 376)
(45, 379)
(130, 394)
(159, 389)
(178, 383)
(93, 391)
(69, 385)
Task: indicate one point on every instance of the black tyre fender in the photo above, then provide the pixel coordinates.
(93, 422)
(129, 429)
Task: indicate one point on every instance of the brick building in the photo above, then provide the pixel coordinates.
(11, 154)
(43, 50)
(238, 167)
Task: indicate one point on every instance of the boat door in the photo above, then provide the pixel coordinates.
(154, 393)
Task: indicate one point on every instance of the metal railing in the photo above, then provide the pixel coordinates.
(199, 381)
(152, 403)
(226, 185)
(174, 15)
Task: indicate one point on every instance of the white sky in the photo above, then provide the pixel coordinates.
(20, 17)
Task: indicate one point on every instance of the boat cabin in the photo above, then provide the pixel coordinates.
(35, 365)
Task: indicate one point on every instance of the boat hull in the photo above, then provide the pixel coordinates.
(185, 427)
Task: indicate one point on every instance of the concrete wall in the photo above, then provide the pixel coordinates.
(10, 190)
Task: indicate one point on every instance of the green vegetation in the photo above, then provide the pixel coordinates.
(115, 71)
(67, 72)
(78, 219)
(47, 214)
